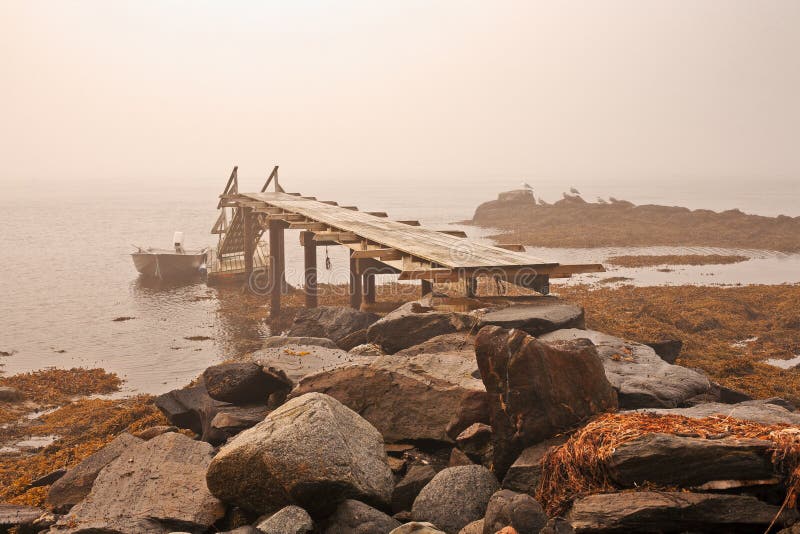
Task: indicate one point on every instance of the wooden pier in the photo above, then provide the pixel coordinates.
(378, 245)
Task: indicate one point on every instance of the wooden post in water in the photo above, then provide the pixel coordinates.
(310, 268)
(277, 266)
(249, 242)
(426, 287)
(369, 288)
(355, 283)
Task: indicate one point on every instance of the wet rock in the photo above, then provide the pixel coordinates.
(651, 511)
(413, 323)
(283, 341)
(518, 510)
(667, 349)
(475, 441)
(557, 525)
(312, 451)
(416, 478)
(543, 315)
(16, 515)
(298, 361)
(350, 341)
(525, 473)
(153, 431)
(457, 457)
(641, 378)
(407, 398)
(77, 482)
(288, 520)
(416, 527)
(332, 322)
(47, 479)
(238, 383)
(476, 527)
(233, 420)
(459, 342)
(354, 517)
(153, 487)
(653, 457)
(247, 529)
(193, 409)
(455, 497)
(537, 390)
(758, 411)
(9, 394)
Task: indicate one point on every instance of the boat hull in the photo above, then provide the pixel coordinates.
(168, 265)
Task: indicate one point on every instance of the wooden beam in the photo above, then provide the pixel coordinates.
(249, 242)
(381, 253)
(272, 176)
(369, 288)
(309, 198)
(561, 270)
(355, 284)
(312, 226)
(454, 233)
(277, 266)
(341, 237)
(330, 202)
(434, 274)
(351, 208)
(310, 271)
(377, 213)
(288, 217)
(471, 286)
(410, 223)
(425, 287)
(268, 210)
(511, 246)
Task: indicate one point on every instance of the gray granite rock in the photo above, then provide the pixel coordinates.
(542, 315)
(355, 517)
(288, 520)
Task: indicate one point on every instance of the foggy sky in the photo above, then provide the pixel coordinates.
(417, 90)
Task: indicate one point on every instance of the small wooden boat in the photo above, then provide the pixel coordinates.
(170, 264)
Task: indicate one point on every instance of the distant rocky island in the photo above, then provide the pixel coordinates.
(524, 218)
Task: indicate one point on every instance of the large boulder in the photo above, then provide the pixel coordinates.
(408, 398)
(537, 390)
(657, 512)
(242, 383)
(312, 451)
(640, 376)
(193, 409)
(288, 520)
(413, 323)
(758, 411)
(284, 341)
(355, 517)
(517, 510)
(332, 322)
(230, 421)
(155, 486)
(525, 473)
(77, 482)
(299, 361)
(542, 315)
(703, 462)
(455, 497)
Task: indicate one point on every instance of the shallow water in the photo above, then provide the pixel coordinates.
(67, 273)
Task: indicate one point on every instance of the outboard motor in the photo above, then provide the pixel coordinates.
(177, 240)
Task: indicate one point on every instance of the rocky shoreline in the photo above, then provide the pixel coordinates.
(512, 417)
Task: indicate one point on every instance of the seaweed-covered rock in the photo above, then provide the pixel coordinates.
(640, 376)
(758, 411)
(455, 497)
(312, 451)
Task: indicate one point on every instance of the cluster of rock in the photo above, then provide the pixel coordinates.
(410, 424)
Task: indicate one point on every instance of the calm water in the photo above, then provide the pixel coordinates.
(67, 272)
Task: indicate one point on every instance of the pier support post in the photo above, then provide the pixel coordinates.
(426, 286)
(277, 266)
(369, 287)
(355, 283)
(310, 269)
(249, 244)
(472, 286)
